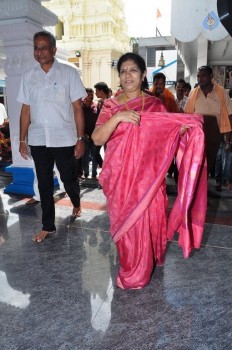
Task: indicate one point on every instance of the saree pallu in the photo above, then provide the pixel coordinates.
(136, 162)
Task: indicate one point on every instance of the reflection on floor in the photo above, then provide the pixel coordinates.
(61, 295)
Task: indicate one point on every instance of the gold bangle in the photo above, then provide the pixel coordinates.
(23, 141)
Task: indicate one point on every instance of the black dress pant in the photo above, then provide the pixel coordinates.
(44, 159)
(212, 140)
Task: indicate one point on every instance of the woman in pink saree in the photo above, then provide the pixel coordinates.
(142, 139)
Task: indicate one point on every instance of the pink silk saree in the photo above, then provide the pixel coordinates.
(136, 162)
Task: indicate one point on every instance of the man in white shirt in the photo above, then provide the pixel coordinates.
(52, 124)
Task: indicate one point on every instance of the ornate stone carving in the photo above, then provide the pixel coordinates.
(97, 30)
(18, 64)
(25, 9)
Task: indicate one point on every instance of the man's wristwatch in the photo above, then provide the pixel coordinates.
(81, 138)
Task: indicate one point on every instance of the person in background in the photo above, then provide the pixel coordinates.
(102, 91)
(230, 93)
(159, 90)
(228, 159)
(5, 144)
(188, 88)
(142, 139)
(168, 99)
(228, 166)
(181, 98)
(3, 114)
(4, 122)
(212, 101)
(223, 163)
(52, 124)
(90, 116)
(180, 101)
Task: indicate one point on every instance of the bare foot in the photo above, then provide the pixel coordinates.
(42, 235)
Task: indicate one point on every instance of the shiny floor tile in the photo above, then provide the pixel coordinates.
(61, 294)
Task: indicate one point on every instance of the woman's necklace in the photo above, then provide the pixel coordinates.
(126, 99)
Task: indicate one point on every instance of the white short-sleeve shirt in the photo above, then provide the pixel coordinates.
(50, 96)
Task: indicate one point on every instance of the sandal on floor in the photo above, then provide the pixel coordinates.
(76, 212)
(42, 235)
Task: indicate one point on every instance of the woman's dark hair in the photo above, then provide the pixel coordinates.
(137, 59)
(48, 35)
(133, 57)
(145, 84)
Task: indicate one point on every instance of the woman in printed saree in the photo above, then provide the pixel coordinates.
(142, 139)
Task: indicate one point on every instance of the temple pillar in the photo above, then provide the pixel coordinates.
(19, 21)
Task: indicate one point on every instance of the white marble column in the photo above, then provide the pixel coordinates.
(202, 56)
(19, 21)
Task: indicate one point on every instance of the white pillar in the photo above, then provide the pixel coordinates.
(202, 51)
(200, 58)
(19, 21)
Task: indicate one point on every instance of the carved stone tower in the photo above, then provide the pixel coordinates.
(96, 33)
